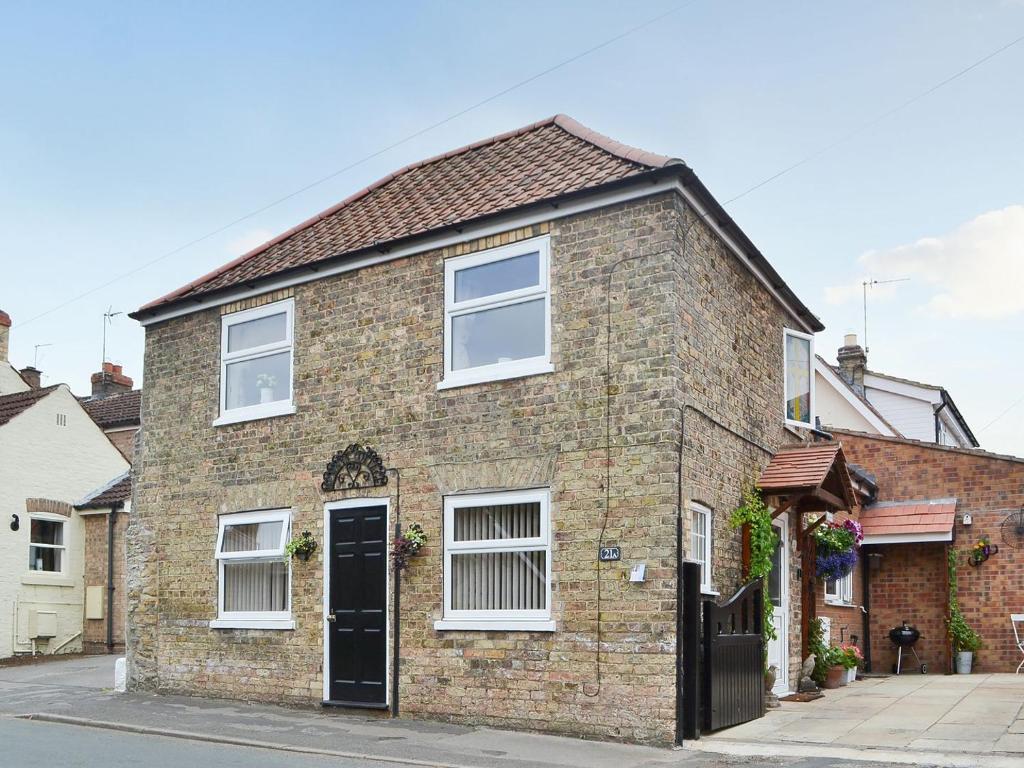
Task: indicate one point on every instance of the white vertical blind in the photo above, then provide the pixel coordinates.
(255, 585)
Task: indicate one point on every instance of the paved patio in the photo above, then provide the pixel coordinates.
(975, 714)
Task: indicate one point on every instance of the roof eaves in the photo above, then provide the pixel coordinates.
(959, 417)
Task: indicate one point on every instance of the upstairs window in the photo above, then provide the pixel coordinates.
(46, 549)
(254, 574)
(497, 314)
(256, 363)
(497, 562)
(799, 378)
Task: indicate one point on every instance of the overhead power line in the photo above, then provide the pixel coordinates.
(366, 158)
(874, 121)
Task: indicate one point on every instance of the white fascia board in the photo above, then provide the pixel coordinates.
(906, 538)
(839, 386)
(492, 227)
(927, 394)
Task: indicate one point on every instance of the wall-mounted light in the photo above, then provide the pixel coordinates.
(967, 518)
(15, 523)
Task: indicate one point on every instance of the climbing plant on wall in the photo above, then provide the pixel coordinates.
(753, 512)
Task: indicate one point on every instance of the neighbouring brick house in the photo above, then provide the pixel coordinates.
(551, 342)
(924, 493)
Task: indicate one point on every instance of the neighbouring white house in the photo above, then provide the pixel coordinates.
(849, 396)
(52, 455)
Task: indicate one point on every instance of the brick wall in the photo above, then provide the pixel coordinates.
(368, 357)
(123, 440)
(910, 581)
(95, 630)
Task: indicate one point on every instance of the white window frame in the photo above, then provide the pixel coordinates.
(63, 547)
(704, 557)
(259, 410)
(530, 366)
(525, 621)
(253, 619)
(787, 332)
(843, 594)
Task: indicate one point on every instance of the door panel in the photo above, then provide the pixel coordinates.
(357, 637)
(778, 591)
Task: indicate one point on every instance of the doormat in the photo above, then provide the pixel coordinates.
(804, 697)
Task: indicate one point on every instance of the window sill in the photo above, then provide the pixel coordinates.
(839, 603)
(496, 625)
(489, 373)
(799, 424)
(710, 591)
(47, 580)
(255, 413)
(252, 624)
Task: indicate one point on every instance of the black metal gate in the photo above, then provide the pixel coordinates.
(733, 663)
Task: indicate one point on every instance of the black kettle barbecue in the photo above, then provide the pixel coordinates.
(906, 636)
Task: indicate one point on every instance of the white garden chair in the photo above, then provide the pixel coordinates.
(1017, 620)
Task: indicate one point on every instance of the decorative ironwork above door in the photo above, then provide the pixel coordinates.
(358, 466)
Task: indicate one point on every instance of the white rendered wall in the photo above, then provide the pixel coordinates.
(41, 459)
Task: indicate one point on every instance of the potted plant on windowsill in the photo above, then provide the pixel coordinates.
(266, 383)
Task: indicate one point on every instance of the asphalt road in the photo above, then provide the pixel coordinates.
(24, 744)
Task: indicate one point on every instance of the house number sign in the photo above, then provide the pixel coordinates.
(607, 554)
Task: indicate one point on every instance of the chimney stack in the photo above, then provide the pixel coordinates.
(31, 375)
(5, 335)
(110, 381)
(853, 361)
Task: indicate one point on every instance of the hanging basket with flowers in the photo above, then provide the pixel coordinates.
(837, 545)
(406, 545)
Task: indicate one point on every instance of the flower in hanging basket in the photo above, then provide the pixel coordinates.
(407, 545)
(837, 545)
(835, 566)
(302, 546)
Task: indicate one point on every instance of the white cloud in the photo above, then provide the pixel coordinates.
(977, 270)
(247, 241)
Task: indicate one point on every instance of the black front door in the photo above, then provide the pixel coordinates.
(357, 606)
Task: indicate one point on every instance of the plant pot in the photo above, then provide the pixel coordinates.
(266, 394)
(964, 661)
(834, 678)
(849, 675)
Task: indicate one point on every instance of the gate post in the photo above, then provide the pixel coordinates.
(690, 672)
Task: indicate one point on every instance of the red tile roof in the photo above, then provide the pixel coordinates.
(116, 491)
(121, 410)
(13, 404)
(548, 159)
(931, 518)
(799, 466)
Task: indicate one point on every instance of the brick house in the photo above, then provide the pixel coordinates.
(538, 346)
(932, 498)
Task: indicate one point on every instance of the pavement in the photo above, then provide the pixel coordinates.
(960, 719)
(69, 701)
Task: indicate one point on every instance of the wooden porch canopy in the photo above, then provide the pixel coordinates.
(812, 477)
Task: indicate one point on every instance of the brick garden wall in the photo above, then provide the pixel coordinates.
(368, 357)
(911, 579)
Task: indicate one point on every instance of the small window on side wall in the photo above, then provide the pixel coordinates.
(256, 363)
(798, 354)
(701, 543)
(254, 575)
(840, 590)
(497, 562)
(497, 322)
(46, 549)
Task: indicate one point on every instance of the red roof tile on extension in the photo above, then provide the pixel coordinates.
(909, 521)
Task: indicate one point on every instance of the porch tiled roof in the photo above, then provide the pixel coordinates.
(799, 466)
(924, 520)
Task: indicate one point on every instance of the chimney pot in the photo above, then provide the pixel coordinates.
(110, 381)
(32, 376)
(850, 340)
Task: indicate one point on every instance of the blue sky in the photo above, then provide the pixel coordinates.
(127, 130)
